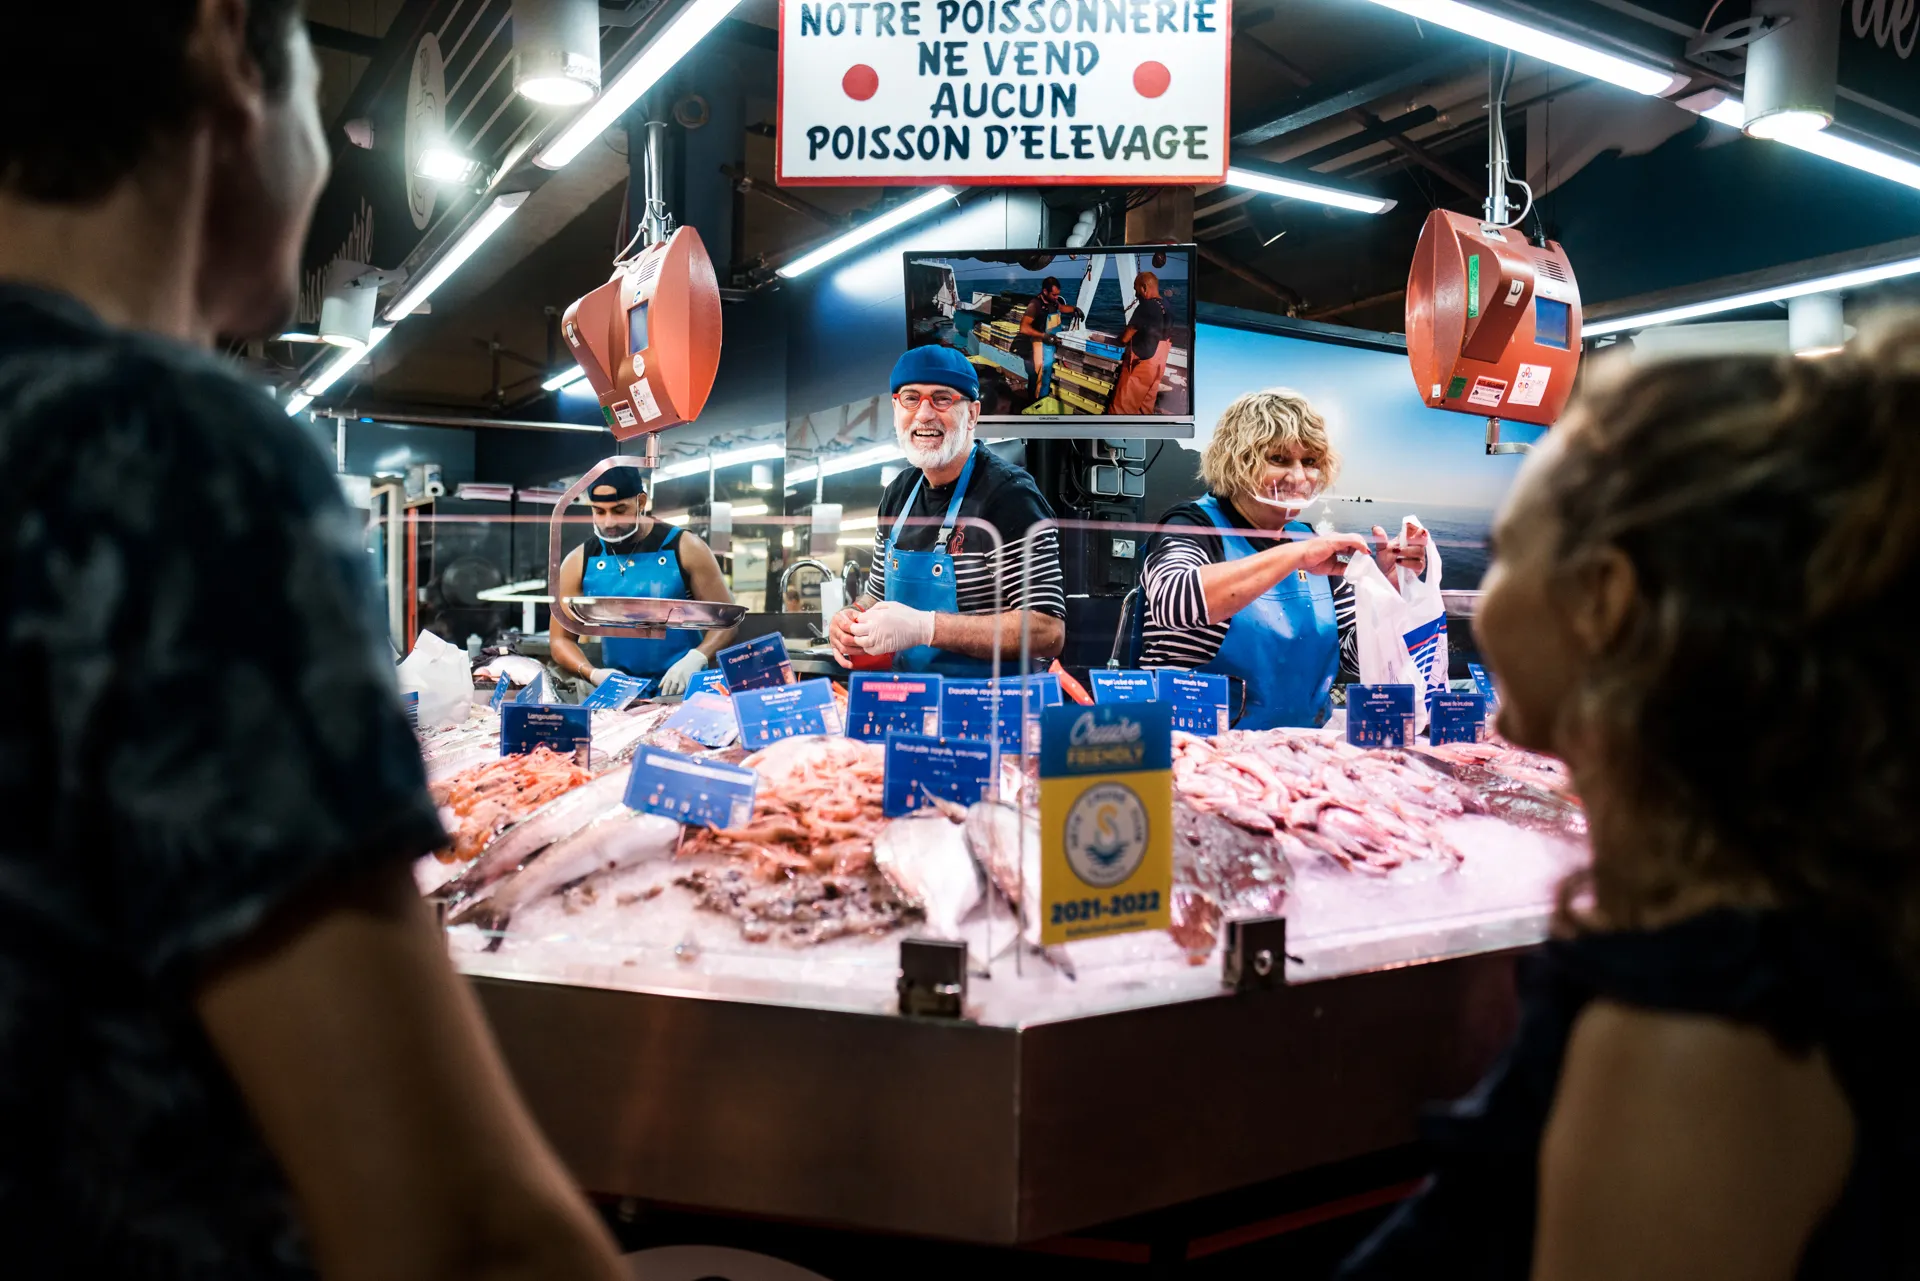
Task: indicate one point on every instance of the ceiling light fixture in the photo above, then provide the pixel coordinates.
(556, 47)
(1826, 144)
(299, 401)
(1273, 185)
(728, 458)
(1544, 45)
(497, 213)
(843, 463)
(565, 378)
(686, 30)
(1792, 69)
(1591, 328)
(443, 162)
(336, 369)
(347, 303)
(875, 227)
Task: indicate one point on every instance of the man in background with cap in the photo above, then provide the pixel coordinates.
(632, 554)
(943, 597)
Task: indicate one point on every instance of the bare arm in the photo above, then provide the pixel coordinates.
(704, 577)
(368, 1069)
(1231, 585)
(981, 635)
(563, 644)
(1685, 1148)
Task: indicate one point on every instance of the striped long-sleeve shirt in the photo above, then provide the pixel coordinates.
(1178, 631)
(1005, 497)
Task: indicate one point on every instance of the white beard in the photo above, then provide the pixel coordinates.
(949, 451)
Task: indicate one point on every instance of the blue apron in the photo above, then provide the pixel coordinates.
(655, 573)
(924, 580)
(1285, 645)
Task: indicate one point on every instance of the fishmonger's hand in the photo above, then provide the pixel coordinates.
(890, 627)
(840, 634)
(1409, 551)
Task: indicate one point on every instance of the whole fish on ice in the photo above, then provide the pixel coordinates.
(926, 859)
(612, 842)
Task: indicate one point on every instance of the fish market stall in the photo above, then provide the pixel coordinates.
(711, 1016)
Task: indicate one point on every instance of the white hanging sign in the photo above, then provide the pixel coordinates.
(1103, 92)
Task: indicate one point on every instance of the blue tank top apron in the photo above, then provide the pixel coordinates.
(924, 580)
(655, 573)
(1285, 645)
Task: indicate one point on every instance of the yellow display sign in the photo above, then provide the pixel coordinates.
(1106, 820)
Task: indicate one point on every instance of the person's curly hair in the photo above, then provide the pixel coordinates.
(1235, 458)
(1761, 697)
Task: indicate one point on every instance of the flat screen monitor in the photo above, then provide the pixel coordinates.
(1059, 335)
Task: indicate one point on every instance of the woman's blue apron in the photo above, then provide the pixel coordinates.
(1285, 645)
(655, 573)
(925, 580)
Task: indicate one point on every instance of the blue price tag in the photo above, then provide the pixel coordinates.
(535, 692)
(880, 701)
(412, 705)
(1111, 686)
(703, 793)
(706, 719)
(958, 770)
(1380, 715)
(756, 664)
(500, 688)
(525, 726)
(1457, 718)
(1483, 682)
(618, 692)
(786, 711)
(1197, 700)
(966, 711)
(709, 680)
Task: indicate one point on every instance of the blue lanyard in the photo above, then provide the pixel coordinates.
(953, 508)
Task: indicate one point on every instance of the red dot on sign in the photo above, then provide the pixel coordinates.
(1150, 79)
(861, 82)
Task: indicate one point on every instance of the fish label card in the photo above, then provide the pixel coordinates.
(1106, 820)
(500, 688)
(957, 770)
(1380, 715)
(709, 680)
(1198, 701)
(535, 692)
(756, 664)
(618, 692)
(1457, 718)
(881, 701)
(525, 726)
(702, 793)
(1111, 686)
(786, 711)
(411, 702)
(1483, 681)
(707, 719)
(966, 711)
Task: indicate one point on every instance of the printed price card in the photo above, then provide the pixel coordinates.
(881, 701)
(707, 719)
(1106, 820)
(958, 770)
(786, 711)
(1123, 686)
(1380, 715)
(709, 680)
(966, 709)
(500, 688)
(1457, 718)
(703, 793)
(525, 726)
(411, 702)
(1483, 681)
(1198, 701)
(535, 692)
(756, 664)
(618, 692)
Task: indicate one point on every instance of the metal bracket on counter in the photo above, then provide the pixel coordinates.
(1256, 953)
(933, 978)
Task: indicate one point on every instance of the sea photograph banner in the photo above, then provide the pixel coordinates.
(1104, 92)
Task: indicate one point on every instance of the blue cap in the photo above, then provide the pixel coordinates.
(616, 485)
(938, 365)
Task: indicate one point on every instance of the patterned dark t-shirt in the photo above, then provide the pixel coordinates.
(203, 726)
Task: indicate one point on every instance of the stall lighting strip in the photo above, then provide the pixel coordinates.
(749, 509)
(336, 369)
(730, 458)
(410, 300)
(1251, 180)
(564, 379)
(687, 29)
(1753, 298)
(845, 462)
(873, 228)
(1535, 43)
(1826, 144)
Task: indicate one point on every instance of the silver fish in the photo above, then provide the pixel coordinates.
(558, 818)
(926, 859)
(613, 841)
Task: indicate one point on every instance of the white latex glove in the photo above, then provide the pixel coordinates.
(601, 675)
(890, 627)
(677, 676)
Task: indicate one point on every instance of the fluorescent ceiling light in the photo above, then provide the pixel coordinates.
(1785, 126)
(299, 402)
(843, 463)
(686, 30)
(297, 335)
(853, 542)
(462, 249)
(1753, 298)
(749, 509)
(897, 216)
(1252, 180)
(1827, 145)
(337, 368)
(565, 378)
(728, 458)
(1535, 43)
(442, 163)
(861, 522)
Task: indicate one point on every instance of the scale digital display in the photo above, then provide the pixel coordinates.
(1550, 322)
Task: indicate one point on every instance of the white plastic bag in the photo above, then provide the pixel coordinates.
(1401, 629)
(438, 672)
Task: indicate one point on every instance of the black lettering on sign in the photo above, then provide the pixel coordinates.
(1086, 56)
(1030, 142)
(948, 11)
(1166, 141)
(1137, 143)
(929, 57)
(1110, 147)
(1082, 144)
(1163, 14)
(943, 101)
(996, 141)
(1203, 16)
(1066, 99)
(842, 143)
(1035, 22)
(1023, 61)
(836, 19)
(859, 10)
(1058, 54)
(816, 139)
(809, 19)
(909, 17)
(883, 19)
(1197, 142)
(959, 142)
(880, 142)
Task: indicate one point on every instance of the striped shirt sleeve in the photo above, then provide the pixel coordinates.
(1171, 581)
